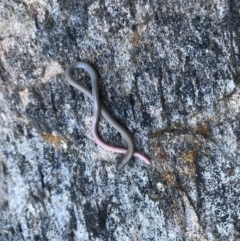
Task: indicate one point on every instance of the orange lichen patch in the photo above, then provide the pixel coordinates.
(189, 157)
(203, 130)
(188, 168)
(208, 120)
(178, 124)
(163, 155)
(55, 139)
(136, 38)
(160, 153)
(170, 179)
(156, 134)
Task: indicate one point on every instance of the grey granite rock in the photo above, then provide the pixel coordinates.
(170, 73)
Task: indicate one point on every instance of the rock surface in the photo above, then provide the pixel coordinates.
(170, 73)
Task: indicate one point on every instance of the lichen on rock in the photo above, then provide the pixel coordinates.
(169, 72)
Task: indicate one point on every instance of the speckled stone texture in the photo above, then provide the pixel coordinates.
(169, 72)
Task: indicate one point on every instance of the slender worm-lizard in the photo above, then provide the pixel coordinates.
(99, 108)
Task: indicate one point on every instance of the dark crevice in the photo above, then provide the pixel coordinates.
(21, 231)
(234, 26)
(41, 176)
(194, 205)
(53, 102)
(165, 109)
